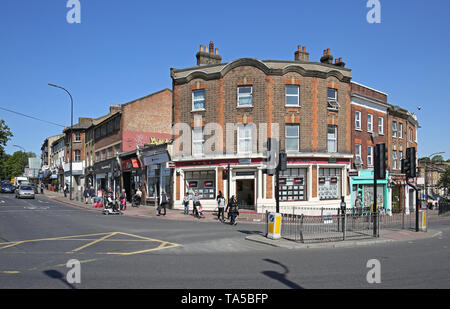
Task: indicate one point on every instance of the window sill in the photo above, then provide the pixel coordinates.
(249, 106)
(198, 110)
(292, 106)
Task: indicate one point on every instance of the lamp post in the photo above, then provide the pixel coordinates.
(71, 133)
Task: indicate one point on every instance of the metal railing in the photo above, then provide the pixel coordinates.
(319, 224)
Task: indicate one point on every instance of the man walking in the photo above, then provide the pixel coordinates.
(234, 210)
(221, 206)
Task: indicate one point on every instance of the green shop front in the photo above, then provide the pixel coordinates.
(361, 183)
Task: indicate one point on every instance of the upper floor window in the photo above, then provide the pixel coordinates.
(198, 146)
(117, 148)
(380, 125)
(369, 123)
(400, 130)
(97, 156)
(117, 124)
(370, 156)
(358, 120)
(104, 154)
(358, 153)
(394, 159)
(198, 100)
(333, 99)
(394, 129)
(245, 96)
(77, 156)
(77, 137)
(332, 138)
(292, 137)
(410, 135)
(245, 134)
(292, 95)
(110, 152)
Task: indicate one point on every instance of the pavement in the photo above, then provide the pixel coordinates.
(387, 235)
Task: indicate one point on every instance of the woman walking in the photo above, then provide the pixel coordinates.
(186, 203)
(221, 206)
(233, 210)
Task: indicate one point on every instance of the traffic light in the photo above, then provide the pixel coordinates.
(283, 161)
(410, 163)
(225, 174)
(380, 163)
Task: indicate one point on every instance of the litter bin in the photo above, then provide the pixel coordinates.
(423, 220)
(274, 226)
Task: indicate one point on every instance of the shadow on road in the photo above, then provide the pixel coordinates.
(250, 232)
(281, 277)
(54, 274)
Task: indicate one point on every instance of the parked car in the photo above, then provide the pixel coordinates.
(25, 192)
(7, 188)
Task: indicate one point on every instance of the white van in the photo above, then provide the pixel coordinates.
(20, 180)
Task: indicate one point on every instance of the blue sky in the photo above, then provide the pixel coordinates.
(123, 50)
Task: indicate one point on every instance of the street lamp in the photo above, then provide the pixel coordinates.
(71, 134)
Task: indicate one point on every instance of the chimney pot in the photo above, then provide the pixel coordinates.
(201, 48)
(211, 47)
(304, 49)
(299, 48)
(328, 51)
(217, 51)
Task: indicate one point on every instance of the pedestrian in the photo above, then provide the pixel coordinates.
(163, 203)
(123, 200)
(186, 203)
(42, 188)
(221, 207)
(233, 210)
(358, 205)
(200, 212)
(91, 194)
(65, 190)
(86, 194)
(195, 204)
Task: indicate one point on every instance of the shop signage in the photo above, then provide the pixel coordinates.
(158, 141)
(245, 173)
(353, 174)
(129, 164)
(156, 159)
(208, 184)
(193, 184)
(171, 165)
(245, 161)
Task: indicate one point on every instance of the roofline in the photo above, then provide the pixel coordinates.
(147, 96)
(359, 84)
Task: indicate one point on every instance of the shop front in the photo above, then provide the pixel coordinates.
(107, 175)
(361, 184)
(158, 174)
(132, 176)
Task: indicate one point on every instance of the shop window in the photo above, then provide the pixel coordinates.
(330, 183)
(201, 181)
(292, 185)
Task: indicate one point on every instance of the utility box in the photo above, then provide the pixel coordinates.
(423, 220)
(274, 226)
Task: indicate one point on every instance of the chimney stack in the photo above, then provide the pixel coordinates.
(339, 63)
(301, 54)
(327, 57)
(209, 55)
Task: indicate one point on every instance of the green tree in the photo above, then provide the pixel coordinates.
(437, 158)
(14, 166)
(444, 181)
(5, 135)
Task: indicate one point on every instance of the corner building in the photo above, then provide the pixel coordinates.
(248, 99)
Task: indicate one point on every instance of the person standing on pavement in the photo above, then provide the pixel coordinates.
(65, 190)
(91, 194)
(196, 203)
(86, 194)
(233, 209)
(221, 206)
(186, 200)
(163, 203)
(123, 200)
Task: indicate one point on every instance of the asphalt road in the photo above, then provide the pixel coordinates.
(38, 238)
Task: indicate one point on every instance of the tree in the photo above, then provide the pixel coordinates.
(5, 135)
(444, 181)
(437, 158)
(14, 166)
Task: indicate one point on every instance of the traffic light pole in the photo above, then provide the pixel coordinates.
(228, 183)
(374, 210)
(277, 188)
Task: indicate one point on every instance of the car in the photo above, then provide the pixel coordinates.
(25, 192)
(7, 188)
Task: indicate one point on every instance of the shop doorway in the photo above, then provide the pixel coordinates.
(245, 191)
(127, 185)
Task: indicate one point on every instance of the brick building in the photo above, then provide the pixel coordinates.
(78, 153)
(224, 112)
(402, 132)
(369, 127)
(142, 121)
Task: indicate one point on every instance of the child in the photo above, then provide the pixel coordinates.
(200, 211)
(123, 200)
